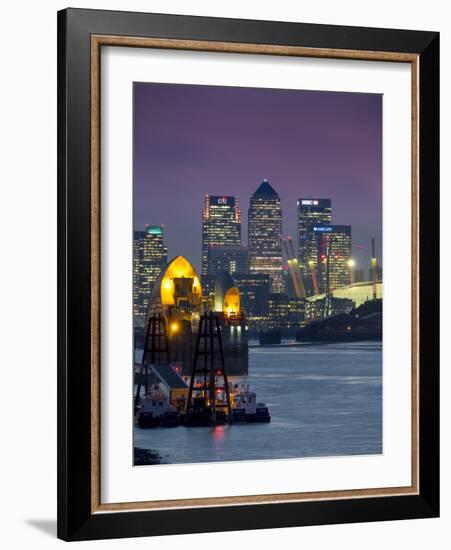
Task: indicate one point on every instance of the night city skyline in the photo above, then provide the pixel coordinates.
(195, 140)
(226, 181)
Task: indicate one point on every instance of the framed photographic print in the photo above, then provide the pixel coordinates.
(248, 274)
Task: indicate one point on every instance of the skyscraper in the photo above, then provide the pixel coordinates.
(221, 225)
(150, 256)
(254, 294)
(228, 257)
(311, 213)
(333, 241)
(265, 235)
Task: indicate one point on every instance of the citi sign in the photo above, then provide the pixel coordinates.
(223, 200)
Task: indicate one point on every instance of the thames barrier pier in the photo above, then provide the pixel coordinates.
(195, 355)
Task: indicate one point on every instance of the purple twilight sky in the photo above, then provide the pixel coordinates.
(192, 140)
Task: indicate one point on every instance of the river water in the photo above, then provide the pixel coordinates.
(324, 400)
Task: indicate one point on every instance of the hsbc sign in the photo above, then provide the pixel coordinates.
(309, 202)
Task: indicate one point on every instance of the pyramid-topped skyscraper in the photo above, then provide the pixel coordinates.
(266, 190)
(265, 235)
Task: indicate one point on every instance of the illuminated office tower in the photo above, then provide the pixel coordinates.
(285, 311)
(228, 257)
(150, 256)
(334, 250)
(221, 225)
(311, 213)
(254, 294)
(265, 235)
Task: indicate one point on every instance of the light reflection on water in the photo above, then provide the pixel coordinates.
(325, 400)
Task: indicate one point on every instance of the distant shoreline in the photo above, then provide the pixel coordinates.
(313, 343)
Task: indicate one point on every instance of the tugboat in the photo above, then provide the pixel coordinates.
(156, 410)
(245, 407)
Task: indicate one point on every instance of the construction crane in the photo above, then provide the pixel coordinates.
(294, 280)
(293, 267)
(373, 268)
(311, 265)
(328, 300)
(296, 268)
